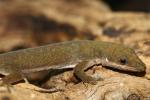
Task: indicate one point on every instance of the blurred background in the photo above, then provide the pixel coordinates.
(30, 23)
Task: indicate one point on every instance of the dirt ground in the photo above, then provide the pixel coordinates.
(31, 23)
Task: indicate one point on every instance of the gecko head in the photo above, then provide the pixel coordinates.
(125, 58)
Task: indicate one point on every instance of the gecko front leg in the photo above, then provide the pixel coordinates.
(81, 67)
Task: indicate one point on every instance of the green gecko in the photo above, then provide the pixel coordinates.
(80, 55)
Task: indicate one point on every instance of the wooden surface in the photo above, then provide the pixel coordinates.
(83, 19)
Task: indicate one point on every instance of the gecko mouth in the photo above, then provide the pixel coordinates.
(122, 67)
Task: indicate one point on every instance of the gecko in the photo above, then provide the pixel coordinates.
(79, 55)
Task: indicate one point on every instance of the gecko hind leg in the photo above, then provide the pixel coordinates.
(10, 79)
(80, 69)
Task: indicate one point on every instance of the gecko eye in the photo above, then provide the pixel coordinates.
(123, 61)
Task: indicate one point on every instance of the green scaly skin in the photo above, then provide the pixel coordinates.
(83, 54)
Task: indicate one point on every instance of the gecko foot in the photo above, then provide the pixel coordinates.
(6, 87)
(83, 66)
